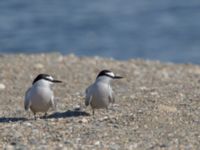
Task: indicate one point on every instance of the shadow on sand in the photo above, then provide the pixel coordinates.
(12, 119)
(69, 113)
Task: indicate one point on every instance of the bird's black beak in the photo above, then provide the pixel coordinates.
(57, 81)
(117, 77)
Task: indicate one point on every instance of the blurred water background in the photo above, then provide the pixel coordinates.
(122, 29)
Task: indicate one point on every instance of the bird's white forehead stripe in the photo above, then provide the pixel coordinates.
(110, 74)
(50, 78)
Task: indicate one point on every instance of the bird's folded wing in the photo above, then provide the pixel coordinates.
(27, 101)
(111, 97)
(53, 102)
(88, 100)
(88, 96)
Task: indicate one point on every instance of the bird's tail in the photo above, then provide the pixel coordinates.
(26, 108)
(54, 103)
(88, 101)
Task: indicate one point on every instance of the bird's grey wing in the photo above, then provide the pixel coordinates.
(88, 100)
(27, 102)
(88, 97)
(53, 102)
(111, 96)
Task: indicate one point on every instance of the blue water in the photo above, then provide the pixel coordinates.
(152, 29)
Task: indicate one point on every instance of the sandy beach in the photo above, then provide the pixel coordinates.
(157, 105)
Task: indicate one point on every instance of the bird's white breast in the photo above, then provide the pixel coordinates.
(40, 98)
(100, 93)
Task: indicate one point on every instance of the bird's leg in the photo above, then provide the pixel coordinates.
(107, 109)
(35, 116)
(45, 115)
(93, 112)
(112, 106)
(29, 114)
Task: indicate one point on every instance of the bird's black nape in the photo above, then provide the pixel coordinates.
(41, 76)
(105, 73)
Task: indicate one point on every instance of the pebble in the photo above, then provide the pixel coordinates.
(104, 118)
(10, 147)
(97, 143)
(60, 145)
(114, 147)
(77, 107)
(166, 108)
(135, 145)
(143, 88)
(28, 124)
(2, 86)
(154, 94)
(38, 66)
(60, 58)
(132, 96)
(84, 120)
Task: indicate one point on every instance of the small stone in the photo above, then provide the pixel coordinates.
(140, 111)
(143, 88)
(28, 124)
(116, 105)
(97, 143)
(2, 86)
(132, 96)
(114, 147)
(104, 118)
(60, 58)
(135, 145)
(167, 108)
(84, 120)
(78, 140)
(10, 147)
(154, 93)
(77, 107)
(136, 127)
(38, 66)
(115, 126)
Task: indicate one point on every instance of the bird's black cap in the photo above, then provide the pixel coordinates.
(45, 77)
(108, 73)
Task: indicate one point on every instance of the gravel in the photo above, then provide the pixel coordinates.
(157, 105)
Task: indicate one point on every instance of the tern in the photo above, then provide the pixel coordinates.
(39, 97)
(100, 93)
